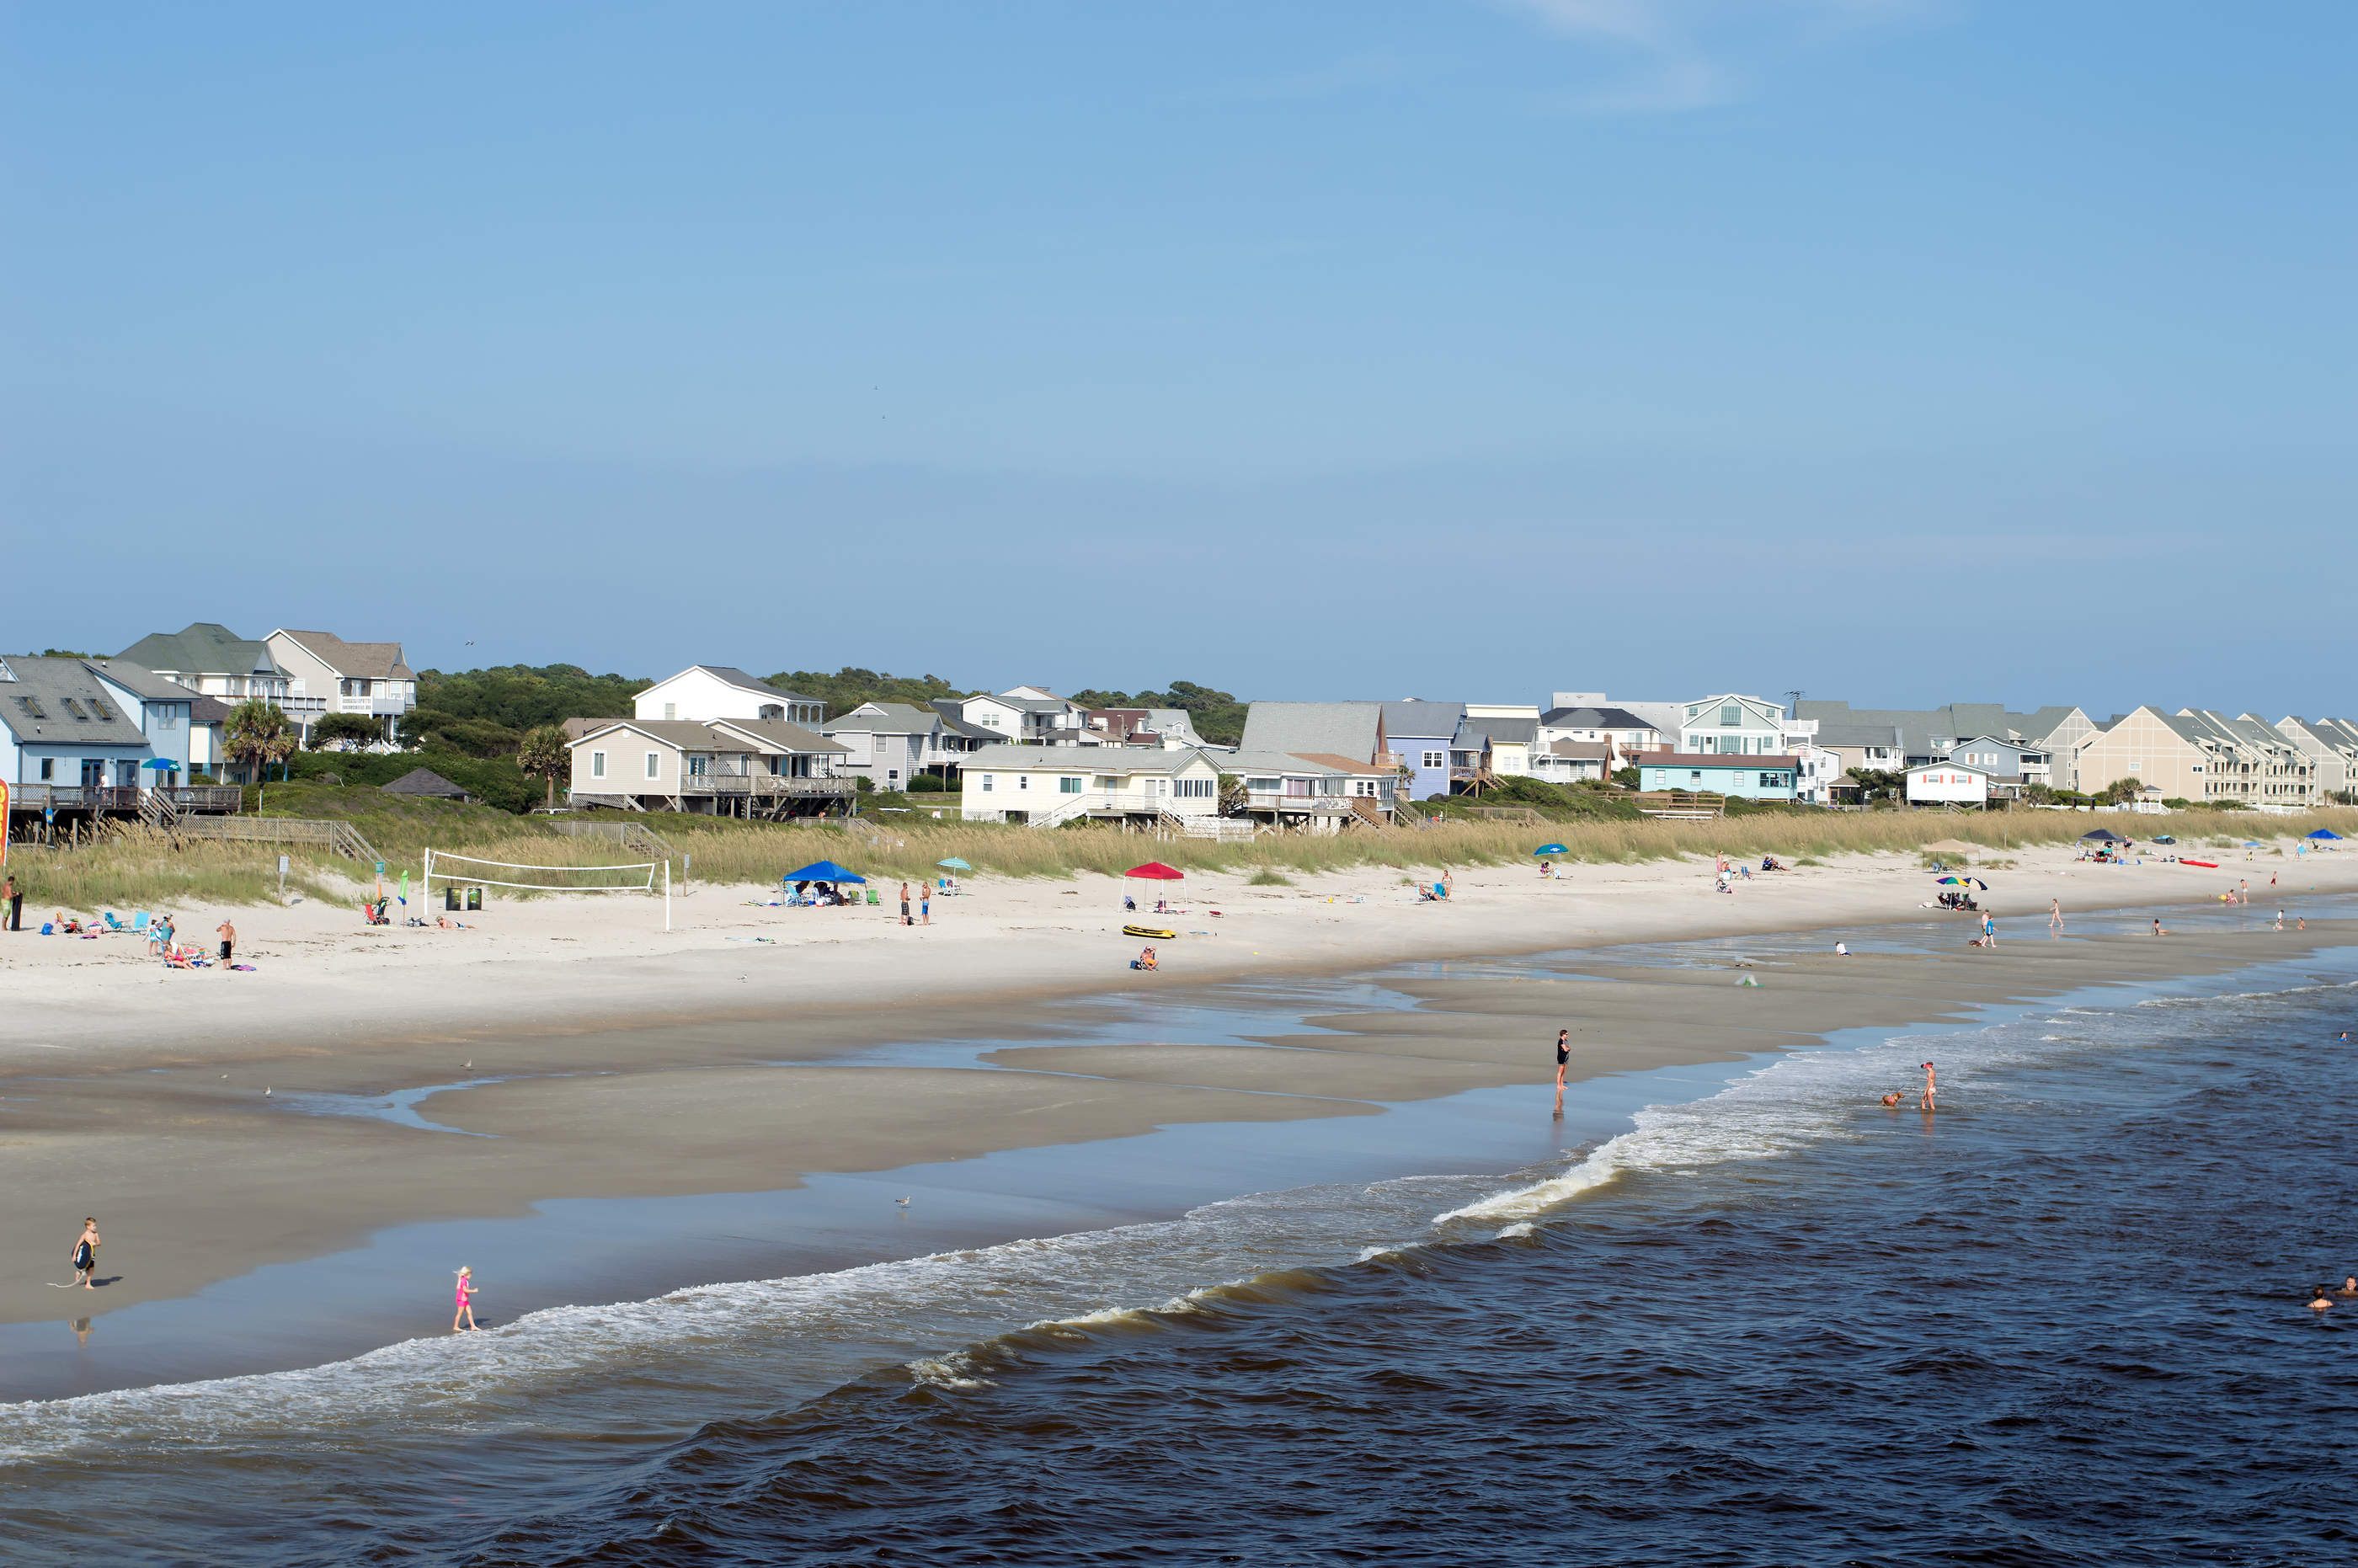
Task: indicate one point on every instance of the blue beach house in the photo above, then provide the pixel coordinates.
(1765, 777)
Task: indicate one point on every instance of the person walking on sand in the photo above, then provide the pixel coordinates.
(1563, 1056)
(16, 904)
(85, 1254)
(925, 903)
(467, 1290)
(229, 942)
(2055, 916)
(1926, 1103)
(1989, 929)
(904, 905)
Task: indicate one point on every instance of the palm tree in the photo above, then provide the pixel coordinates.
(544, 756)
(258, 734)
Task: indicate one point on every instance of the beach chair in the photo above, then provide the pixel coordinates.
(113, 924)
(139, 924)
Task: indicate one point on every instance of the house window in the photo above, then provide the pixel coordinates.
(1108, 782)
(1731, 716)
(597, 764)
(892, 775)
(654, 764)
(1269, 786)
(697, 766)
(168, 716)
(1436, 759)
(1772, 781)
(671, 711)
(987, 779)
(1198, 789)
(1068, 786)
(1363, 787)
(1694, 775)
(49, 768)
(1023, 781)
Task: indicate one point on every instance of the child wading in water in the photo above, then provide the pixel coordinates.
(467, 1288)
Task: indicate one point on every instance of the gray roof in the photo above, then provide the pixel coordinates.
(1339, 728)
(423, 781)
(34, 707)
(1832, 735)
(736, 677)
(891, 717)
(691, 735)
(1028, 704)
(1918, 727)
(953, 712)
(1596, 748)
(149, 686)
(1420, 720)
(1593, 719)
(209, 710)
(1512, 731)
(206, 647)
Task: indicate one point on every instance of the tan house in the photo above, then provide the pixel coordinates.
(328, 674)
(2193, 754)
(1049, 785)
(729, 767)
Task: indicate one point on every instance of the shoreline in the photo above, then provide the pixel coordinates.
(214, 1181)
(1694, 1018)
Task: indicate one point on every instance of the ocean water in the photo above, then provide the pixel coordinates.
(2061, 1321)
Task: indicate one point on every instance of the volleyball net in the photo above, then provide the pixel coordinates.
(474, 871)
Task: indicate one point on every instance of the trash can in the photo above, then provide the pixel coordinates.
(474, 900)
(451, 898)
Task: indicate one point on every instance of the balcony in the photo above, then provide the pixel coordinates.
(374, 707)
(759, 785)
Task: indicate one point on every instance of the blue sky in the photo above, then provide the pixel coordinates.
(1906, 353)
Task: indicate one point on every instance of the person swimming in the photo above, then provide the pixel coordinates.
(2318, 1300)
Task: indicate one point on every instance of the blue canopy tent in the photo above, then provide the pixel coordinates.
(825, 871)
(2326, 833)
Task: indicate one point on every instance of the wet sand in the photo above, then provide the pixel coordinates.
(197, 1176)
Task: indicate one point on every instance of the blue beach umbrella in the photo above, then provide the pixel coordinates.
(825, 871)
(1551, 849)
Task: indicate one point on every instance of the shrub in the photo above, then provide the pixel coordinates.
(926, 784)
(1268, 877)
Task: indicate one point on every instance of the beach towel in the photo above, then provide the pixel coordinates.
(246, 967)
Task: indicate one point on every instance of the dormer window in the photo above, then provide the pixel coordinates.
(1731, 716)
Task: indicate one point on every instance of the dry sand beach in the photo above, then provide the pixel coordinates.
(603, 1057)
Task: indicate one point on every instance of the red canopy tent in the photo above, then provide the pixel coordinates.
(1158, 871)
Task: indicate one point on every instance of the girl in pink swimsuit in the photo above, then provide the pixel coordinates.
(467, 1288)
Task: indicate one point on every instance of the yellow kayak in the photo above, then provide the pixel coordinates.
(1150, 931)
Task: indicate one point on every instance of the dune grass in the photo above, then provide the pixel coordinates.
(136, 867)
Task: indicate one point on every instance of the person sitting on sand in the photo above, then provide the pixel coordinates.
(1145, 960)
(1842, 949)
(2157, 931)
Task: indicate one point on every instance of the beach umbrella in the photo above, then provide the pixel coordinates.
(162, 765)
(2251, 843)
(1551, 849)
(1947, 880)
(954, 863)
(2325, 833)
(824, 871)
(1157, 871)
